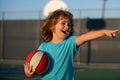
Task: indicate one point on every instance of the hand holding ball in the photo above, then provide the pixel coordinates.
(38, 60)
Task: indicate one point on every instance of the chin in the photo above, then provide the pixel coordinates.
(65, 37)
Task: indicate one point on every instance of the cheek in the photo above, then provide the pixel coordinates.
(57, 29)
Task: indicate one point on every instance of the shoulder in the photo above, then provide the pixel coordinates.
(72, 43)
(43, 45)
(71, 38)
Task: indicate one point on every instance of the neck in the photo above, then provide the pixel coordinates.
(56, 41)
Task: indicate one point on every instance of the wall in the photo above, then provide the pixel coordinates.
(19, 37)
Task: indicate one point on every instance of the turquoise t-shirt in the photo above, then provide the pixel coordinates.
(61, 59)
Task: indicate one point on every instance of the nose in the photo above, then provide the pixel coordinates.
(67, 27)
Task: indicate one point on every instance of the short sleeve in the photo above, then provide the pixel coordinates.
(72, 42)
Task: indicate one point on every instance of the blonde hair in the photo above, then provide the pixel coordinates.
(51, 21)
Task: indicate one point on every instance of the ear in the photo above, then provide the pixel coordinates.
(53, 29)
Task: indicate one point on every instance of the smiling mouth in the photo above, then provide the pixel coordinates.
(65, 32)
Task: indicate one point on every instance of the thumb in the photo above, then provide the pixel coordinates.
(32, 70)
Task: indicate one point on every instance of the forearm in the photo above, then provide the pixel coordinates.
(94, 35)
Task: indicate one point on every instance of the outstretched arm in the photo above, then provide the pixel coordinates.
(94, 35)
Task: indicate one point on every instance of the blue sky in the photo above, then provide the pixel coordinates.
(21, 5)
(37, 5)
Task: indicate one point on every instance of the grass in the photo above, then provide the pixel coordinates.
(16, 72)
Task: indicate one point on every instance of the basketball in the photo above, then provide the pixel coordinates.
(38, 60)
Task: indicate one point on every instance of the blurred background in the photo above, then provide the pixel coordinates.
(20, 22)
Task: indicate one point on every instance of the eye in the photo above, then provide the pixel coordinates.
(63, 23)
(69, 24)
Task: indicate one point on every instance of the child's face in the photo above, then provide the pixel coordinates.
(62, 28)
